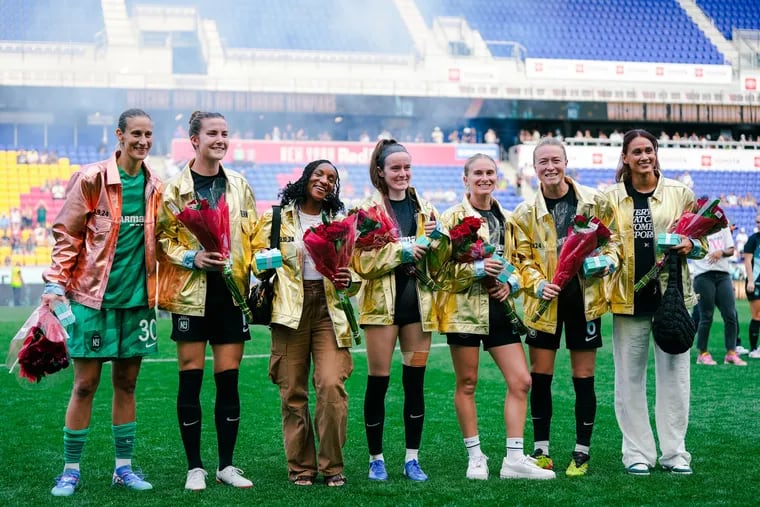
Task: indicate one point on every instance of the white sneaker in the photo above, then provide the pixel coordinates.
(233, 477)
(741, 350)
(755, 354)
(196, 479)
(525, 468)
(477, 468)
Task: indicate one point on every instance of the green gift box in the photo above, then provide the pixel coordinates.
(508, 268)
(666, 240)
(422, 241)
(595, 265)
(269, 259)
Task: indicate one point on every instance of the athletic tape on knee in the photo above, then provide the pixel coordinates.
(416, 358)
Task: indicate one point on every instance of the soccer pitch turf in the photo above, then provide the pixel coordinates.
(721, 438)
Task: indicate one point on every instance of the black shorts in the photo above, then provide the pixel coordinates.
(500, 330)
(579, 334)
(222, 323)
(754, 295)
(407, 306)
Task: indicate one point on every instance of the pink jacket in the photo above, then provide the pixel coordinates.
(87, 228)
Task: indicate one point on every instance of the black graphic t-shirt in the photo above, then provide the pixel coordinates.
(405, 214)
(646, 301)
(563, 211)
(495, 221)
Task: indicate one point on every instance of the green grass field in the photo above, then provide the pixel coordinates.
(721, 438)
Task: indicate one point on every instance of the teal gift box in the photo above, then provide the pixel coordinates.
(508, 268)
(423, 241)
(437, 232)
(268, 259)
(666, 240)
(595, 265)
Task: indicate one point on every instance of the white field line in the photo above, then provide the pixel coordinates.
(256, 356)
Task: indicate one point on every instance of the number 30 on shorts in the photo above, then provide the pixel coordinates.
(147, 330)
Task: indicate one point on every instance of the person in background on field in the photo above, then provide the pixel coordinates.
(712, 282)
(752, 287)
(105, 242)
(647, 203)
(394, 306)
(309, 325)
(17, 284)
(472, 310)
(542, 228)
(192, 288)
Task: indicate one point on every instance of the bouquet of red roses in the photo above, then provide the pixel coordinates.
(330, 246)
(43, 351)
(583, 237)
(211, 227)
(376, 229)
(467, 246)
(708, 219)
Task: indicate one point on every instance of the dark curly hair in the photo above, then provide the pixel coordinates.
(295, 192)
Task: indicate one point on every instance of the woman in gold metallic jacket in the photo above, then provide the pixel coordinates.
(472, 310)
(394, 305)
(308, 325)
(191, 286)
(647, 203)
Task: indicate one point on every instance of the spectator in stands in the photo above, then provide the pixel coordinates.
(472, 310)
(664, 136)
(41, 236)
(490, 137)
(4, 222)
(752, 287)
(686, 179)
(21, 157)
(104, 266)
(741, 239)
(616, 137)
(646, 204)
(15, 220)
(469, 135)
(436, 135)
(712, 282)
(542, 227)
(309, 326)
(276, 136)
(364, 137)
(454, 136)
(191, 286)
(58, 190)
(43, 157)
(411, 317)
(27, 218)
(32, 156)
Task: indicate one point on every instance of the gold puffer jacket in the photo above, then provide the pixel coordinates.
(287, 305)
(182, 289)
(378, 294)
(537, 253)
(87, 228)
(463, 301)
(670, 199)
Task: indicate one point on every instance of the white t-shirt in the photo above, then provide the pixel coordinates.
(721, 240)
(307, 221)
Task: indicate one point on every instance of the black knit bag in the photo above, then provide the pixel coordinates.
(672, 326)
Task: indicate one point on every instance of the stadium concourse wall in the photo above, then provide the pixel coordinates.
(672, 159)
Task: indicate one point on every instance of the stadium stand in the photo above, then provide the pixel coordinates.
(50, 20)
(739, 14)
(335, 25)
(618, 30)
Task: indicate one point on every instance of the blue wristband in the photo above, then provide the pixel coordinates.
(188, 260)
(514, 284)
(540, 289)
(480, 269)
(54, 288)
(407, 252)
